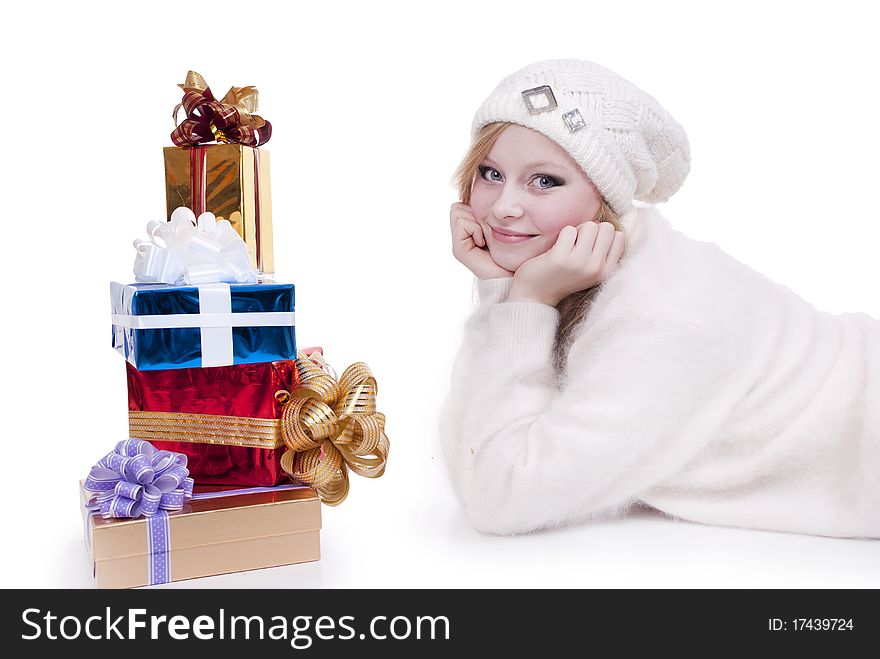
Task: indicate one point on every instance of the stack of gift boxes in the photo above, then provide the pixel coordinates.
(239, 436)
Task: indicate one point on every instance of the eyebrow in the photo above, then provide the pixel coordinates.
(541, 164)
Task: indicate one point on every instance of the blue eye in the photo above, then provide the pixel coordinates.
(545, 182)
(490, 174)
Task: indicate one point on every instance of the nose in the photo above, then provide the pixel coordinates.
(507, 204)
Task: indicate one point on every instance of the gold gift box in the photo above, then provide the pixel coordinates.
(237, 188)
(209, 536)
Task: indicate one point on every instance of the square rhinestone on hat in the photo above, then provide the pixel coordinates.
(574, 120)
(539, 99)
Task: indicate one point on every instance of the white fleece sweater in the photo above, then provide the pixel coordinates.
(695, 384)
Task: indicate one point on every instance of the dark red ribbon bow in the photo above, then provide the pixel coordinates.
(230, 120)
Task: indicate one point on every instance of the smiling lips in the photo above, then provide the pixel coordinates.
(510, 237)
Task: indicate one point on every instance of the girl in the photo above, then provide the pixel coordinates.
(613, 360)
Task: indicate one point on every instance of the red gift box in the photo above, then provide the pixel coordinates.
(226, 419)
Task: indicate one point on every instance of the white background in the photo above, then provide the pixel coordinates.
(371, 106)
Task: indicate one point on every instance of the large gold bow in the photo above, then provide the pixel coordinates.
(330, 427)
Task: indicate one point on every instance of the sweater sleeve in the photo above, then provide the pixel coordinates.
(643, 395)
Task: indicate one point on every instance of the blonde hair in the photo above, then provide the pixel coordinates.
(572, 309)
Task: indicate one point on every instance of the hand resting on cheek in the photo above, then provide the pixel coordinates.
(469, 244)
(582, 257)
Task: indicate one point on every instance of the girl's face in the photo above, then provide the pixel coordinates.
(526, 190)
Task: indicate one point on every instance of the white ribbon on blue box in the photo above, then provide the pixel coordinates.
(160, 326)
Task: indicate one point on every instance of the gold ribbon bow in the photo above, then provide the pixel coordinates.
(330, 427)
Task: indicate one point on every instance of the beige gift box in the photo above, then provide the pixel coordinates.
(230, 533)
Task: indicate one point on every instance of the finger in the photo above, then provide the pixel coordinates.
(586, 238)
(461, 210)
(565, 241)
(460, 233)
(617, 247)
(460, 229)
(468, 232)
(479, 236)
(456, 214)
(463, 225)
(604, 238)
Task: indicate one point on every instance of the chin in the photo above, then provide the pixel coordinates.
(511, 264)
(508, 261)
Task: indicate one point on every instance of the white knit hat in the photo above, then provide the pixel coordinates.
(623, 139)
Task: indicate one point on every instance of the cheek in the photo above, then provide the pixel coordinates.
(481, 201)
(560, 212)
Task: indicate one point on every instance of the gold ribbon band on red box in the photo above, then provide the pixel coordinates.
(205, 429)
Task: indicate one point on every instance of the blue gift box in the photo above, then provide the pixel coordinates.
(160, 326)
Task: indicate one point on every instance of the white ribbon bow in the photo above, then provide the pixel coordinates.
(189, 251)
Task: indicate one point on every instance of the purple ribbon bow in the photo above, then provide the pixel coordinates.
(135, 479)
